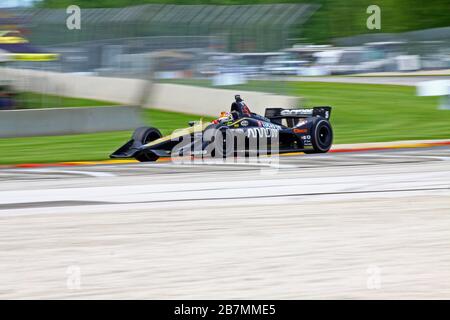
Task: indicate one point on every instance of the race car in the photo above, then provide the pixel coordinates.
(280, 130)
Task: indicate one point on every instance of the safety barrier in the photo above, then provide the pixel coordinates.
(172, 97)
(60, 121)
(210, 101)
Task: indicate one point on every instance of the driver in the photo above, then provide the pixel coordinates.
(224, 118)
(240, 108)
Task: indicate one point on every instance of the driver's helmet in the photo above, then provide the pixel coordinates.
(224, 117)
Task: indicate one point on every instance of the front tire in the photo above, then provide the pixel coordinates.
(145, 135)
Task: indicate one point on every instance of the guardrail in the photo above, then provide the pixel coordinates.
(60, 121)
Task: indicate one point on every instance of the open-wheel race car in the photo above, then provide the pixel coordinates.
(239, 131)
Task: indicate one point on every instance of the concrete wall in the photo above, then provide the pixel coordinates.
(119, 90)
(209, 101)
(188, 99)
(42, 122)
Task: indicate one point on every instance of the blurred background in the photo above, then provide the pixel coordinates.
(78, 76)
(174, 57)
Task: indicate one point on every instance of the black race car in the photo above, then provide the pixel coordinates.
(237, 132)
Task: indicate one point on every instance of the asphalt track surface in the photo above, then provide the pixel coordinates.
(340, 225)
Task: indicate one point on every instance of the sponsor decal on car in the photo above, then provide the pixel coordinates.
(270, 125)
(300, 130)
(306, 140)
(296, 112)
(244, 123)
(262, 132)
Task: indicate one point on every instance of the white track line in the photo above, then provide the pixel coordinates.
(443, 158)
(86, 173)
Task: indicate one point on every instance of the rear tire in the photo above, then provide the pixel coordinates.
(321, 136)
(145, 135)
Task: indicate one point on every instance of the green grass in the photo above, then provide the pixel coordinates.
(60, 148)
(30, 100)
(371, 113)
(96, 146)
(361, 113)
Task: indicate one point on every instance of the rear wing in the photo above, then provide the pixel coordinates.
(280, 113)
(291, 116)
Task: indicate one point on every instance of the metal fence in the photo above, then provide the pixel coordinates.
(234, 46)
(179, 43)
(246, 27)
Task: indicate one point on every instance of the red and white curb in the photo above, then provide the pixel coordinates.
(340, 148)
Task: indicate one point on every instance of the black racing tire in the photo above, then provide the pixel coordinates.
(321, 136)
(145, 135)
